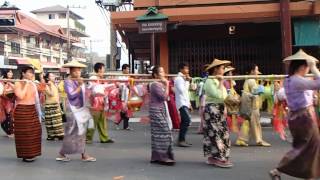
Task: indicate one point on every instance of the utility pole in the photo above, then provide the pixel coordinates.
(69, 56)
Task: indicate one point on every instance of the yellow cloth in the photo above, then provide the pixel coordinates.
(61, 90)
(52, 94)
(253, 102)
(36, 64)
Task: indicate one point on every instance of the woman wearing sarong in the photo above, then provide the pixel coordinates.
(303, 161)
(250, 111)
(53, 116)
(27, 118)
(216, 141)
(161, 137)
(7, 103)
(75, 128)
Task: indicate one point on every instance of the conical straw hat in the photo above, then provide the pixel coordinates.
(217, 62)
(74, 63)
(300, 55)
(228, 69)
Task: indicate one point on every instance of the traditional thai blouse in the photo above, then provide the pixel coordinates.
(52, 94)
(299, 91)
(27, 96)
(157, 95)
(214, 94)
(74, 98)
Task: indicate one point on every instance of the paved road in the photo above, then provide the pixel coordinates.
(129, 157)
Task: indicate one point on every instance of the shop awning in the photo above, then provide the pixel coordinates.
(21, 61)
(49, 65)
(36, 64)
(307, 32)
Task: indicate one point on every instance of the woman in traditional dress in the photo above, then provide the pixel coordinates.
(174, 115)
(63, 97)
(8, 100)
(27, 117)
(161, 137)
(215, 129)
(53, 116)
(303, 161)
(75, 129)
(250, 111)
(232, 102)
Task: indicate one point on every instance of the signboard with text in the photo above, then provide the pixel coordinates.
(152, 27)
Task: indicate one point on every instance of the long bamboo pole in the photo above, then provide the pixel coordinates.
(240, 77)
(260, 77)
(136, 75)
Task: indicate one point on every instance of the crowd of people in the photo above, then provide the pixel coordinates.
(74, 108)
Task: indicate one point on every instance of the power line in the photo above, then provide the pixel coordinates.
(110, 24)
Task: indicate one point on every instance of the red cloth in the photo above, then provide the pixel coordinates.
(175, 117)
(279, 119)
(2, 112)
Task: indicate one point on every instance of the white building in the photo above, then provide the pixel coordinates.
(57, 15)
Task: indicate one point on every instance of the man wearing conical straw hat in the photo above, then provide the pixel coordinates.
(303, 161)
(77, 114)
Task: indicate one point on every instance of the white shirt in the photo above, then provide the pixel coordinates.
(181, 87)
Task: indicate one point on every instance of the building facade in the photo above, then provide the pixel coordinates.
(58, 15)
(31, 42)
(245, 32)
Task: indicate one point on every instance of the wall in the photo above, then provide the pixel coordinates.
(148, 3)
(44, 17)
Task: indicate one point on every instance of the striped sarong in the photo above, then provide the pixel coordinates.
(27, 130)
(53, 121)
(161, 137)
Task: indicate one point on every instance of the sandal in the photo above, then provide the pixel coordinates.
(274, 175)
(89, 159)
(63, 159)
(28, 160)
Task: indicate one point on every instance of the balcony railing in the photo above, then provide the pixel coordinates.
(79, 26)
(14, 54)
(46, 46)
(31, 45)
(55, 48)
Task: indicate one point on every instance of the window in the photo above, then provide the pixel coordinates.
(62, 15)
(52, 16)
(31, 39)
(1, 48)
(15, 48)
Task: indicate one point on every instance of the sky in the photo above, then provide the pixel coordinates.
(96, 25)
